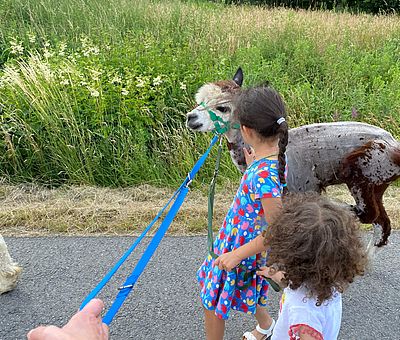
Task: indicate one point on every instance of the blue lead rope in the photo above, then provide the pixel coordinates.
(180, 195)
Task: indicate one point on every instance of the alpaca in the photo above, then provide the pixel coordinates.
(364, 157)
(9, 271)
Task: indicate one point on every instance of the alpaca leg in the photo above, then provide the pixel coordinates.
(366, 208)
(382, 222)
(9, 270)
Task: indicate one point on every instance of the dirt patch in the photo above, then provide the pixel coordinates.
(80, 210)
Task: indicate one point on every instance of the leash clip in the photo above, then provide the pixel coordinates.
(123, 287)
(189, 180)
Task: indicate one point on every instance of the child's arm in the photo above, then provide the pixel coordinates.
(231, 259)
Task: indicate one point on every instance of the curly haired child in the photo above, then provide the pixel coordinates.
(224, 286)
(317, 247)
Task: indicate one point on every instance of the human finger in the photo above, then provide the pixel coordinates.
(94, 306)
(44, 332)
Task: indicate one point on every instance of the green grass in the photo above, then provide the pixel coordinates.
(95, 92)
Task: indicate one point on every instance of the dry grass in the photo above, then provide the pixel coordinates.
(33, 210)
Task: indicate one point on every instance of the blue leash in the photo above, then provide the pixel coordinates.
(124, 291)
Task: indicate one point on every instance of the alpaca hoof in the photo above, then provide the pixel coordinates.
(9, 279)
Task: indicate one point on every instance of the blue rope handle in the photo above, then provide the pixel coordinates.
(180, 195)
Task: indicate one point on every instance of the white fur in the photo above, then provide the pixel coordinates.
(211, 95)
(9, 270)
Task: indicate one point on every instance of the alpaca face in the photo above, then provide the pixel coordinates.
(215, 98)
(211, 97)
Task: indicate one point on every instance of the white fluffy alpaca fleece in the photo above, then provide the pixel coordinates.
(9, 270)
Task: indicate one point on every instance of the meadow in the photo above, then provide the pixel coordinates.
(95, 92)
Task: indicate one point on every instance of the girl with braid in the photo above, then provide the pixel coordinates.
(230, 281)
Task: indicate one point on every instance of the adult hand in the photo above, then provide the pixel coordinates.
(227, 261)
(84, 325)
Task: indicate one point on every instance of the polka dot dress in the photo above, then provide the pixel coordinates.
(244, 221)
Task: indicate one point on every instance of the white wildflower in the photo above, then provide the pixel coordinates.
(140, 82)
(124, 91)
(31, 38)
(116, 79)
(64, 82)
(62, 49)
(83, 83)
(95, 50)
(182, 85)
(157, 81)
(47, 53)
(16, 47)
(96, 74)
(94, 93)
(46, 43)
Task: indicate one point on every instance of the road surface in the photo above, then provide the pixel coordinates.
(60, 271)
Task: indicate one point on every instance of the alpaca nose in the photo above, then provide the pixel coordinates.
(191, 121)
(191, 117)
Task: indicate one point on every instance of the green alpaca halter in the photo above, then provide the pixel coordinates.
(221, 126)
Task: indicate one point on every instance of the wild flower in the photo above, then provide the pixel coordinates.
(96, 74)
(94, 92)
(61, 51)
(140, 82)
(31, 38)
(64, 82)
(16, 47)
(47, 54)
(116, 79)
(124, 91)
(182, 85)
(157, 81)
(83, 83)
(88, 48)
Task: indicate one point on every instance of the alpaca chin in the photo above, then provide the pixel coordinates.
(9, 278)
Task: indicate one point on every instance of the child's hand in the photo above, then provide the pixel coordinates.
(276, 275)
(249, 155)
(227, 261)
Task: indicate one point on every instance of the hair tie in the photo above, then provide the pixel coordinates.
(281, 120)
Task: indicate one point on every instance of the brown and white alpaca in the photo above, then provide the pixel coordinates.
(364, 157)
(9, 270)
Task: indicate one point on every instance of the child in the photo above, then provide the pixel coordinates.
(261, 114)
(318, 246)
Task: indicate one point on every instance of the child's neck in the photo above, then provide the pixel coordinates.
(265, 149)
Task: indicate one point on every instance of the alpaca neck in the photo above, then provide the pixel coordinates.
(235, 145)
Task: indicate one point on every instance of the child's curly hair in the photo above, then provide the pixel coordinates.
(317, 243)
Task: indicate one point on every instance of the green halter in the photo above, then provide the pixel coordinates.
(221, 126)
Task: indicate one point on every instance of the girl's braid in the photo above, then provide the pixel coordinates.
(283, 141)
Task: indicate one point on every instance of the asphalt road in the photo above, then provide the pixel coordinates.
(60, 271)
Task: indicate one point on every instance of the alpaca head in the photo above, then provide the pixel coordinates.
(214, 104)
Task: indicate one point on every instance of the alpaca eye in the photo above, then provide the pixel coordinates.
(222, 109)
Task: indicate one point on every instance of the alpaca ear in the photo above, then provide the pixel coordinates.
(238, 77)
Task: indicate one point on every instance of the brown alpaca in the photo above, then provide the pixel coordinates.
(364, 157)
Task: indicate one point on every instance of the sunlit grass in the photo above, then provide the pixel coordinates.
(95, 92)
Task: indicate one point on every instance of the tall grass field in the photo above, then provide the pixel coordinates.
(96, 91)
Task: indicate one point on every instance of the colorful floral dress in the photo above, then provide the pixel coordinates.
(244, 221)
